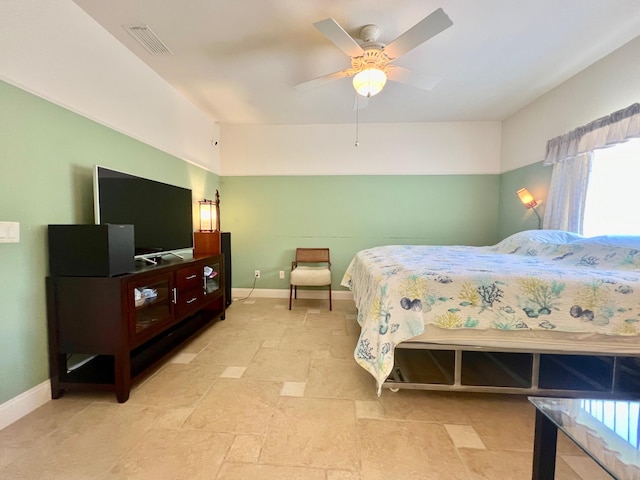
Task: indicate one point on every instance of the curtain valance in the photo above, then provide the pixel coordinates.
(615, 128)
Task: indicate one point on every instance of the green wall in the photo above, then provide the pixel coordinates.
(513, 216)
(269, 217)
(47, 154)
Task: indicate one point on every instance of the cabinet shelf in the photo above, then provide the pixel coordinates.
(100, 317)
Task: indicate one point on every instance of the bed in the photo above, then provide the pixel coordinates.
(541, 312)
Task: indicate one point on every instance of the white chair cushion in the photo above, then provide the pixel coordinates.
(310, 276)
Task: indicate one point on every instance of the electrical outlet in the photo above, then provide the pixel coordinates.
(257, 274)
(281, 273)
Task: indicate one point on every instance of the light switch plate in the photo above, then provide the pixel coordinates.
(9, 232)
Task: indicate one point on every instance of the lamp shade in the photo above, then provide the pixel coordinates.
(526, 198)
(210, 214)
(369, 82)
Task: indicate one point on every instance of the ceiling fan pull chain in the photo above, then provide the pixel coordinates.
(357, 115)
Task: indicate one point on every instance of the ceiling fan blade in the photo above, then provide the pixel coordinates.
(341, 39)
(413, 78)
(422, 31)
(319, 81)
(360, 102)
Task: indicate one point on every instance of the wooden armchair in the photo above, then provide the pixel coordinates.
(315, 273)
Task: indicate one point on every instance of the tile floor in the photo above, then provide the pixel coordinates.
(275, 394)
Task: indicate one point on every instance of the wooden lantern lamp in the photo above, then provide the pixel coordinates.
(207, 239)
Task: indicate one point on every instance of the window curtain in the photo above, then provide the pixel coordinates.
(571, 156)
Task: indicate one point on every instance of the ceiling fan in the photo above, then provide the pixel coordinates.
(371, 60)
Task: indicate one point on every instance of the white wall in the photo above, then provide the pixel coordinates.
(608, 85)
(54, 50)
(384, 149)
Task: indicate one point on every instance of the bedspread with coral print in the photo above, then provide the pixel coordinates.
(517, 284)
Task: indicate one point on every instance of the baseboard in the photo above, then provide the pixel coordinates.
(238, 293)
(14, 409)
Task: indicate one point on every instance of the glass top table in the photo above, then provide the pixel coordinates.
(607, 430)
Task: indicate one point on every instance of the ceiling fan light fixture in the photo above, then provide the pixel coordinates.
(369, 82)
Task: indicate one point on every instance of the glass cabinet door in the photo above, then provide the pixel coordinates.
(211, 277)
(152, 301)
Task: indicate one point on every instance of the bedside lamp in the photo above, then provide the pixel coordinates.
(207, 239)
(529, 202)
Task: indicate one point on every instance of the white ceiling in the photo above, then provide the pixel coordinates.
(238, 60)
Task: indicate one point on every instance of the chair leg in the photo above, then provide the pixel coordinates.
(290, 293)
(330, 306)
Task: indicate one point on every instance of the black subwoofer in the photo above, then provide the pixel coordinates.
(91, 250)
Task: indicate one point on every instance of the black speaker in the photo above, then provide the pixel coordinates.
(91, 250)
(225, 247)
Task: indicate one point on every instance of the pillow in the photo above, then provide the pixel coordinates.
(553, 236)
(543, 236)
(624, 241)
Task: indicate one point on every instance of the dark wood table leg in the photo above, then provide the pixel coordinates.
(544, 448)
(122, 376)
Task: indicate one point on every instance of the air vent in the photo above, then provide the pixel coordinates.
(148, 39)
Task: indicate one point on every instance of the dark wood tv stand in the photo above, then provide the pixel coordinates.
(122, 326)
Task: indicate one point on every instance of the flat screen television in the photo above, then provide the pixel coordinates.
(161, 214)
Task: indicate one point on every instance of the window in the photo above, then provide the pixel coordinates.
(612, 193)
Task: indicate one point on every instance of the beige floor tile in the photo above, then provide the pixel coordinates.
(412, 451)
(310, 304)
(371, 409)
(491, 407)
(236, 406)
(244, 471)
(584, 467)
(353, 328)
(10, 454)
(342, 475)
(320, 354)
(31, 429)
(228, 351)
(196, 343)
(279, 365)
(337, 378)
(566, 446)
(172, 418)
(464, 436)
(268, 328)
(497, 434)
(424, 406)
(173, 455)
(233, 372)
(182, 357)
(176, 386)
(487, 413)
(312, 432)
(245, 449)
(293, 389)
(343, 346)
(86, 446)
(332, 321)
(492, 464)
(306, 338)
